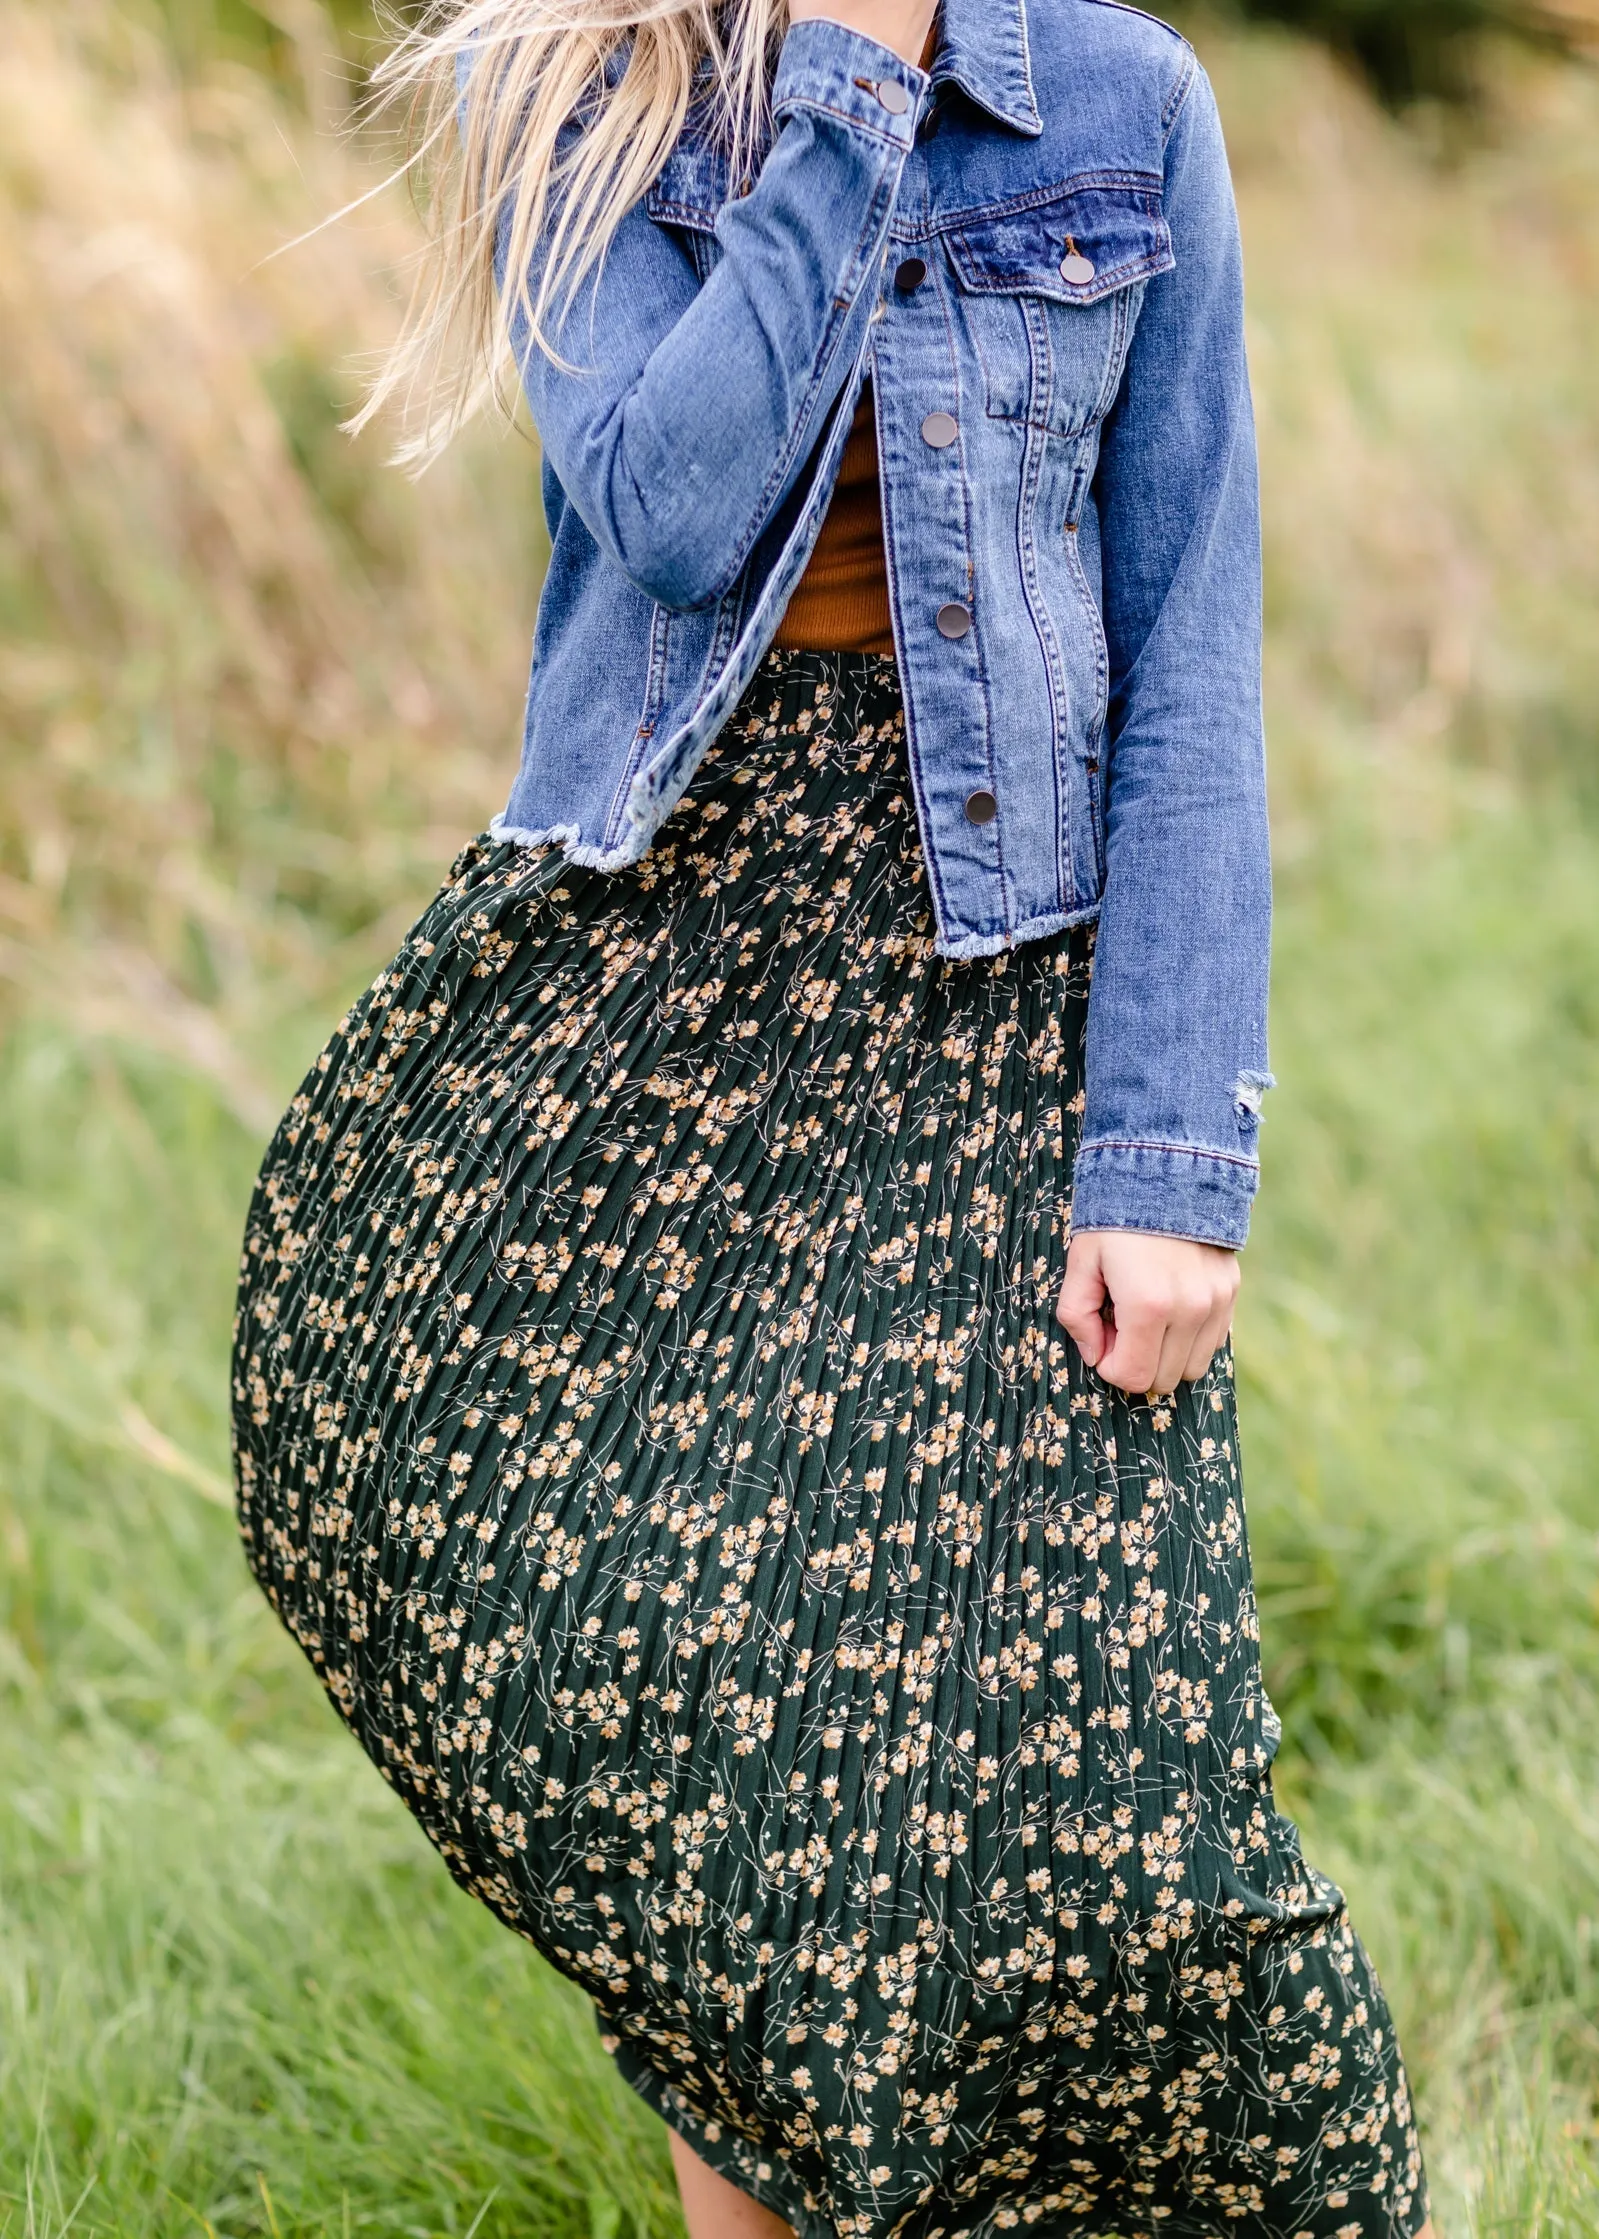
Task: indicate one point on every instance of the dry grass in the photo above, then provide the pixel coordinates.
(1424, 329)
(249, 683)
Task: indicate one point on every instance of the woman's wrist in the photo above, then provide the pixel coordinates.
(900, 25)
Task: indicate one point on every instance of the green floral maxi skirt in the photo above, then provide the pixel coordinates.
(652, 1422)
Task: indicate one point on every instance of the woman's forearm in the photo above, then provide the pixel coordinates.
(680, 438)
(902, 25)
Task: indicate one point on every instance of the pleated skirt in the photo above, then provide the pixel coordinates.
(652, 1423)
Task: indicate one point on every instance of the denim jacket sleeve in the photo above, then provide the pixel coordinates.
(1177, 1017)
(685, 415)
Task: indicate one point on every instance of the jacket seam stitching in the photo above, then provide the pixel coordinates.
(638, 753)
(693, 217)
(1098, 784)
(1126, 8)
(1147, 184)
(1033, 454)
(822, 108)
(1030, 89)
(980, 649)
(1177, 99)
(1115, 358)
(1170, 1150)
(934, 869)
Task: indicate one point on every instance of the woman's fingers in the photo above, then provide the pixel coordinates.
(1081, 1307)
(1176, 1349)
(1208, 1343)
(1131, 1361)
(1170, 1301)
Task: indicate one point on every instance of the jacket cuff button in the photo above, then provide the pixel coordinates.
(893, 96)
(981, 807)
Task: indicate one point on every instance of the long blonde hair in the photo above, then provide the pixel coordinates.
(489, 155)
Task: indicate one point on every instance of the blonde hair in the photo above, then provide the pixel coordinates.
(491, 155)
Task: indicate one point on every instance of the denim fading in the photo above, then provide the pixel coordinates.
(1097, 517)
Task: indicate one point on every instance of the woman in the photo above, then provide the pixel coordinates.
(650, 1415)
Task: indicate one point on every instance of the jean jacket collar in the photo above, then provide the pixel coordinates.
(983, 49)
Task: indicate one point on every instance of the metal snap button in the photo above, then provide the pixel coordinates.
(981, 807)
(940, 430)
(954, 620)
(893, 96)
(1077, 268)
(909, 276)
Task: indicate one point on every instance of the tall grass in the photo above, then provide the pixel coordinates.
(254, 689)
(250, 684)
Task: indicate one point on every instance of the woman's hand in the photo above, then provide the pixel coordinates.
(1147, 1311)
(900, 24)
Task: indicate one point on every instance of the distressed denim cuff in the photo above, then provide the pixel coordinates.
(1165, 1189)
(844, 74)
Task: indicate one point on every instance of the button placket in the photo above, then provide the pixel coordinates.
(941, 519)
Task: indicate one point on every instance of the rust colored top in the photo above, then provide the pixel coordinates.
(840, 603)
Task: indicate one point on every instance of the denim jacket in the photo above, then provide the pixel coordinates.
(1033, 255)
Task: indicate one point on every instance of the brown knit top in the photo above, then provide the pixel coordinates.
(840, 603)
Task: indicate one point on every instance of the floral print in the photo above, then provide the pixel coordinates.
(652, 1423)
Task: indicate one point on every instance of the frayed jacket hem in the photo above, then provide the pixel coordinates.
(958, 947)
(963, 947)
(567, 838)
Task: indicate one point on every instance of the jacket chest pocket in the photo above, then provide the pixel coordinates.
(1051, 291)
(694, 186)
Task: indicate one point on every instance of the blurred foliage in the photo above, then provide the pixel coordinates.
(255, 689)
(1406, 50)
(293, 41)
(1411, 50)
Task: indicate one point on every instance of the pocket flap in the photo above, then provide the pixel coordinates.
(696, 181)
(1075, 245)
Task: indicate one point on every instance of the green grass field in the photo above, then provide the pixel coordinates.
(253, 690)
